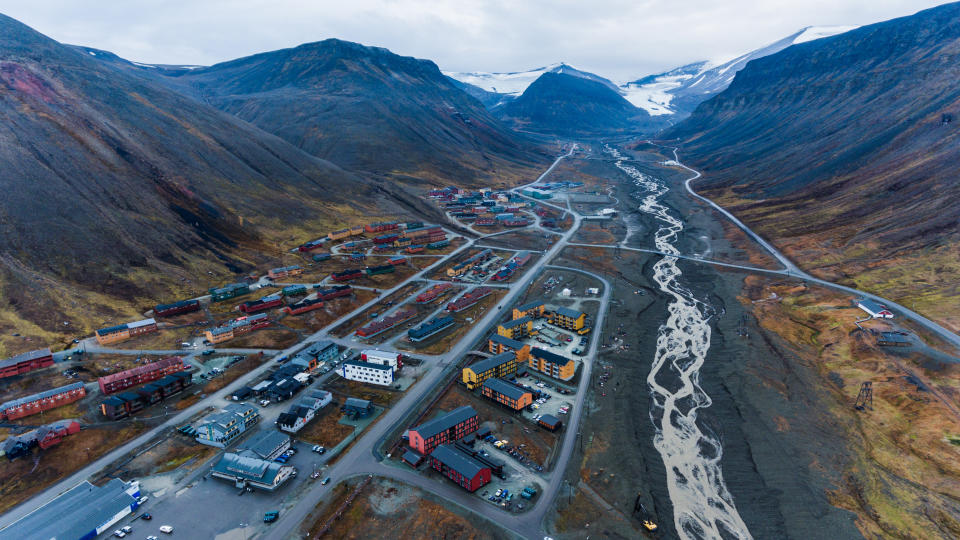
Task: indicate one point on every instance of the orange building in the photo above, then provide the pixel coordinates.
(552, 364)
(507, 394)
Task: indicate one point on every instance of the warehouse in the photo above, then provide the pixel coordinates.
(534, 310)
(26, 362)
(246, 471)
(568, 319)
(444, 429)
(114, 334)
(82, 512)
(367, 372)
(284, 271)
(509, 395)
(219, 429)
(552, 364)
(267, 444)
(176, 308)
(501, 365)
(516, 328)
(42, 401)
(466, 471)
(116, 382)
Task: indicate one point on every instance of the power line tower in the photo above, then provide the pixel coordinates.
(865, 397)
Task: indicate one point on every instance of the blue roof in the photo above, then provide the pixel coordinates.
(492, 362)
(458, 461)
(512, 343)
(501, 386)
(549, 356)
(430, 428)
(567, 312)
(516, 322)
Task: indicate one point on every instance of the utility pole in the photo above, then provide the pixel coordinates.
(865, 397)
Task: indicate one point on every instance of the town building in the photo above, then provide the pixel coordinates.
(26, 362)
(501, 365)
(466, 471)
(366, 372)
(115, 382)
(301, 412)
(534, 310)
(267, 444)
(385, 358)
(875, 309)
(569, 319)
(357, 408)
(176, 308)
(122, 332)
(42, 401)
(509, 395)
(127, 403)
(249, 471)
(82, 512)
(516, 328)
(444, 429)
(552, 364)
(237, 327)
(43, 437)
(233, 290)
(498, 344)
(284, 271)
(220, 429)
(550, 422)
(316, 355)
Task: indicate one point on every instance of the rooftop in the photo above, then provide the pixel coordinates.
(456, 460)
(76, 513)
(567, 312)
(512, 343)
(438, 425)
(265, 442)
(530, 305)
(360, 363)
(501, 386)
(248, 468)
(516, 322)
(492, 362)
(549, 356)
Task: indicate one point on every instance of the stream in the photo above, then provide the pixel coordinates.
(702, 505)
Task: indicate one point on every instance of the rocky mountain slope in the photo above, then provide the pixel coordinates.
(842, 151)
(678, 91)
(366, 109)
(120, 192)
(557, 103)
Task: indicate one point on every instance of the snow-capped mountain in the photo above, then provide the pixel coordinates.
(680, 90)
(512, 84)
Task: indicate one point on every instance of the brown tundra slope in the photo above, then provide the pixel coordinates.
(843, 151)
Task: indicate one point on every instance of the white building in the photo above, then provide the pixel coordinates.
(384, 358)
(875, 310)
(367, 372)
(301, 412)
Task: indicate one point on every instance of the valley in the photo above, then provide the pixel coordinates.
(332, 291)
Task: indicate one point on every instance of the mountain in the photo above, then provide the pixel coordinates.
(843, 151)
(366, 109)
(119, 191)
(557, 103)
(510, 85)
(680, 90)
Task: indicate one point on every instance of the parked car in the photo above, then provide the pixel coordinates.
(142, 500)
(166, 529)
(119, 534)
(325, 481)
(270, 517)
(147, 517)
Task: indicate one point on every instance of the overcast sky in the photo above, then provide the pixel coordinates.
(620, 39)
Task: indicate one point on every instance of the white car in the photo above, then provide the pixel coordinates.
(119, 534)
(167, 529)
(142, 500)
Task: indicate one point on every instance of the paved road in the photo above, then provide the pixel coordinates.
(793, 270)
(361, 460)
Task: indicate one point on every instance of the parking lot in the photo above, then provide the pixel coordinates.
(239, 513)
(517, 477)
(551, 399)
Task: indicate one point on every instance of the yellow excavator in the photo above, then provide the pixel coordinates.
(648, 524)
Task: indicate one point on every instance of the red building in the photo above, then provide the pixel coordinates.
(335, 292)
(262, 304)
(48, 399)
(346, 275)
(26, 362)
(381, 227)
(466, 471)
(448, 428)
(304, 306)
(176, 308)
(116, 382)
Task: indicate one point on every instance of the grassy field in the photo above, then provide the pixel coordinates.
(902, 476)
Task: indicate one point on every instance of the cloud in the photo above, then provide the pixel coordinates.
(619, 39)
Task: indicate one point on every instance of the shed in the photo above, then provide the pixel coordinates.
(550, 422)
